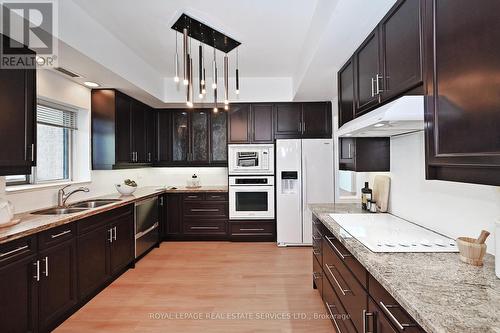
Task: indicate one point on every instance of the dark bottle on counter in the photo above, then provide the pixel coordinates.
(366, 194)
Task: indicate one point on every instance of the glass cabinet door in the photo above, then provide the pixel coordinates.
(180, 136)
(199, 136)
(219, 137)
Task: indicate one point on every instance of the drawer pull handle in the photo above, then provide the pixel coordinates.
(251, 229)
(192, 197)
(60, 234)
(367, 314)
(316, 252)
(389, 314)
(19, 249)
(343, 256)
(329, 307)
(204, 228)
(316, 275)
(316, 238)
(342, 290)
(205, 210)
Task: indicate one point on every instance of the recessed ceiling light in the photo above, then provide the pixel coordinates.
(379, 125)
(348, 135)
(91, 84)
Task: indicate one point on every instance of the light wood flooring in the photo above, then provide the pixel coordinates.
(238, 284)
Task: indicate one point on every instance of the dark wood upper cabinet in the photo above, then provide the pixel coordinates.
(150, 127)
(17, 118)
(163, 136)
(239, 123)
(180, 136)
(317, 120)
(218, 138)
(365, 154)
(462, 108)
(346, 93)
(199, 133)
(120, 129)
(368, 74)
(288, 120)
(262, 124)
(401, 48)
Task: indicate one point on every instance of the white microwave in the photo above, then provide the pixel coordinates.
(251, 159)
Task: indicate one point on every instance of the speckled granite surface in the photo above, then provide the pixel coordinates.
(439, 291)
(31, 224)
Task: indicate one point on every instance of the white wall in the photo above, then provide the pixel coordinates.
(54, 87)
(453, 209)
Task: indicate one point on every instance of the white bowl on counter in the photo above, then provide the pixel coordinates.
(125, 189)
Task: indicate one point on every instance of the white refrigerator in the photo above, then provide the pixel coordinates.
(304, 175)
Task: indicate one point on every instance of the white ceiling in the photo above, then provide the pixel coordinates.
(272, 32)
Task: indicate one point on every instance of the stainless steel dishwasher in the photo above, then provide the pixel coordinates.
(147, 231)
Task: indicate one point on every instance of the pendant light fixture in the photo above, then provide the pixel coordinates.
(200, 70)
(176, 77)
(237, 73)
(214, 78)
(190, 78)
(226, 79)
(185, 55)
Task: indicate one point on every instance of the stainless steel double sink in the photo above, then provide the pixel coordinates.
(76, 207)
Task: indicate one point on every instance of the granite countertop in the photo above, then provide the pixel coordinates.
(32, 224)
(439, 291)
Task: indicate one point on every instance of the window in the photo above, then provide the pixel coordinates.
(55, 128)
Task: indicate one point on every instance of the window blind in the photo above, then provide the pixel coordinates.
(52, 115)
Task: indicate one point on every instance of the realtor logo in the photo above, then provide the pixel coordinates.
(30, 26)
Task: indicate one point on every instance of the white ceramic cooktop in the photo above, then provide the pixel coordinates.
(388, 233)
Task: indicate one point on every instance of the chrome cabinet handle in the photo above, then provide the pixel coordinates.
(19, 249)
(349, 151)
(110, 239)
(32, 152)
(37, 275)
(365, 320)
(204, 209)
(114, 229)
(149, 157)
(251, 229)
(316, 238)
(373, 87)
(343, 256)
(342, 290)
(316, 275)
(389, 314)
(316, 252)
(378, 77)
(204, 228)
(60, 234)
(329, 307)
(46, 262)
(192, 197)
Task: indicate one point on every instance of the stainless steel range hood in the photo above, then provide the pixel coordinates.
(402, 116)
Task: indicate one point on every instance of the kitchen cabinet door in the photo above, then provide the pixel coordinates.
(199, 137)
(365, 154)
(367, 74)
(180, 136)
(17, 118)
(218, 138)
(173, 214)
(347, 151)
(121, 252)
(288, 121)
(163, 136)
(401, 46)
(150, 124)
(57, 288)
(376, 321)
(123, 118)
(317, 120)
(462, 110)
(346, 93)
(92, 261)
(138, 137)
(262, 123)
(239, 123)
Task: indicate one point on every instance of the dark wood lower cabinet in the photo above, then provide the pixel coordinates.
(121, 249)
(252, 230)
(354, 300)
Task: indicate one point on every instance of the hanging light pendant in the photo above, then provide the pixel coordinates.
(237, 74)
(226, 81)
(176, 65)
(190, 78)
(185, 56)
(200, 70)
(214, 71)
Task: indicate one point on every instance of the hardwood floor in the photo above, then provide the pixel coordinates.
(174, 289)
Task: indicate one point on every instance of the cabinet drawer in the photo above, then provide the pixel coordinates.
(340, 318)
(216, 196)
(205, 227)
(350, 292)
(194, 197)
(249, 228)
(98, 220)
(318, 276)
(17, 249)
(391, 309)
(334, 246)
(56, 235)
(205, 209)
